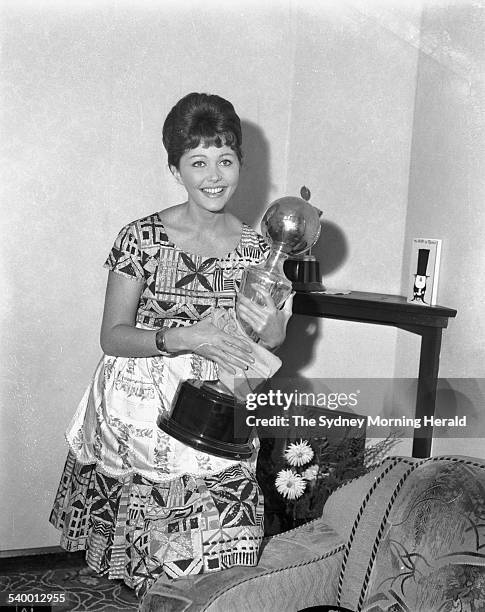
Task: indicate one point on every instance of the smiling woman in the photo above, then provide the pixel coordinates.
(210, 176)
(141, 503)
(208, 172)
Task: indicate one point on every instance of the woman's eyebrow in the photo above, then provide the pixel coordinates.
(203, 154)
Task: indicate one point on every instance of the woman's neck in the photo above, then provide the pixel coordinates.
(206, 219)
(214, 234)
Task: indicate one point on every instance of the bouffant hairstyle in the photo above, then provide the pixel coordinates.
(200, 118)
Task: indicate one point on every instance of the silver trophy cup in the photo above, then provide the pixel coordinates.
(291, 226)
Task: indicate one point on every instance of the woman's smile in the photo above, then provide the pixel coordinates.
(213, 192)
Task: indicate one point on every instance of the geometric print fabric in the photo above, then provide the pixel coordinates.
(137, 530)
(179, 286)
(116, 421)
(134, 528)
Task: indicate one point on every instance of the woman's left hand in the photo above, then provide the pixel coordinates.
(267, 321)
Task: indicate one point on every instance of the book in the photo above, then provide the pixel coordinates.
(424, 271)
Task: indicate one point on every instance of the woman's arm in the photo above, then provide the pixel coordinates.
(121, 338)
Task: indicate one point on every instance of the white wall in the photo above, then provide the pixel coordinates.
(327, 93)
(446, 200)
(87, 88)
(352, 109)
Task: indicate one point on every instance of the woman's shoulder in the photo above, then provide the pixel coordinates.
(148, 229)
(172, 215)
(136, 223)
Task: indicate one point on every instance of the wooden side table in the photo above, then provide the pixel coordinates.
(382, 309)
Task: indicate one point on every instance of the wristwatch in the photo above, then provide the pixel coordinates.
(160, 340)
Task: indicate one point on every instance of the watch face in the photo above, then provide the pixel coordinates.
(160, 340)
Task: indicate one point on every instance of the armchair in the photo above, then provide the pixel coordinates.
(409, 536)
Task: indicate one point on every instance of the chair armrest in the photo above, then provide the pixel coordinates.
(296, 569)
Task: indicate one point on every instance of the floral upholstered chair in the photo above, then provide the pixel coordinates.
(409, 536)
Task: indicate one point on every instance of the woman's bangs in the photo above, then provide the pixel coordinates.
(214, 140)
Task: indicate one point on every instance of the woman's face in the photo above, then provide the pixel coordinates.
(210, 175)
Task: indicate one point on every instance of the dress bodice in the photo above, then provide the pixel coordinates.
(180, 288)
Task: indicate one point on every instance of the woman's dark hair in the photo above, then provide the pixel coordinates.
(201, 118)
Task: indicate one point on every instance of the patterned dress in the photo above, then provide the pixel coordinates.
(141, 503)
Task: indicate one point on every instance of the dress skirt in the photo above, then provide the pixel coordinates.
(136, 530)
(140, 502)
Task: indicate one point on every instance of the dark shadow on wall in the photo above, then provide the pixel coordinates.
(298, 350)
(461, 397)
(332, 248)
(252, 195)
(249, 203)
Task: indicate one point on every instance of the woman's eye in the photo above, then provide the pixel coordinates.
(226, 162)
(198, 164)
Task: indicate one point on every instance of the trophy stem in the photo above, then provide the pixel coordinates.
(276, 259)
(270, 277)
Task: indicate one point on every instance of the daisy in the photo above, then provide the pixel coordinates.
(289, 484)
(299, 453)
(310, 473)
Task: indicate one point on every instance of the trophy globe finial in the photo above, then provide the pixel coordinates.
(292, 224)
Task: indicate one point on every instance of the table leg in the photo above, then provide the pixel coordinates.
(429, 362)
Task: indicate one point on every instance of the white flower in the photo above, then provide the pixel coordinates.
(310, 473)
(299, 453)
(289, 484)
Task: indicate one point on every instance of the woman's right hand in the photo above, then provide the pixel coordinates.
(207, 340)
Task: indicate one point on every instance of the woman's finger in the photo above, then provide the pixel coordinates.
(236, 348)
(253, 319)
(242, 300)
(225, 354)
(267, 299)
(265, 302)
(288, 305)
(228, 362)
(253, 310)
(208, 333)
(210, 351)
(224, 366)
(236, 342)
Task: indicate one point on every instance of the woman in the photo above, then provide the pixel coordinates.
(141, 503)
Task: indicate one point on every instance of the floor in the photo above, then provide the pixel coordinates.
(67, 575)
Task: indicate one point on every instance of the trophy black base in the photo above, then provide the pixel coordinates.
(204, 419)
(314, 286)
(304, 273)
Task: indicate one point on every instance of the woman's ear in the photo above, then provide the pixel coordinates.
(175, 171)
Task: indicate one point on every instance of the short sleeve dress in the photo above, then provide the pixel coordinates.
(141, 503)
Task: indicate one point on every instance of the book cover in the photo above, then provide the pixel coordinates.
(424, 271)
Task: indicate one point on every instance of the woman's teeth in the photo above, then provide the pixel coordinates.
(213, 190)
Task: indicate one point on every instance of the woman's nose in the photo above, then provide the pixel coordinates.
(214, 173)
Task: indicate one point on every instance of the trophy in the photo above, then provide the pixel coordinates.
(291, 226)
(204, 412)
(303, 268)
